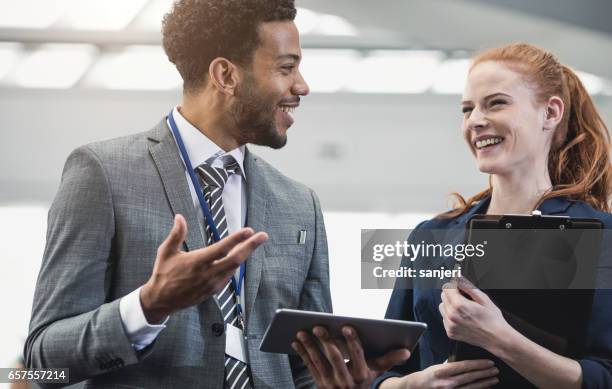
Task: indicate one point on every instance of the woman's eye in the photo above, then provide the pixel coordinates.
(497, 102)
(466, 110)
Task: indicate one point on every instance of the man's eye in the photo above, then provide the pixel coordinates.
(288, 67)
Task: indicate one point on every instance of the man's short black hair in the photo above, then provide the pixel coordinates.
(197, 31)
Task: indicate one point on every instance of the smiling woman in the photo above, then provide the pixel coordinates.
(531, 126)
(524, 110)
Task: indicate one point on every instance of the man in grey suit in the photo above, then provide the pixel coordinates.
(130, 292)
(141, 284)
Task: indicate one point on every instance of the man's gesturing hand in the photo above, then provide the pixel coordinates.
(181, 279)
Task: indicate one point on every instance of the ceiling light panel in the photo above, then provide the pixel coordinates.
(593, 84)
(328, 70)
(108, 15)
(53, 66)
(152, 14)
(310, 22)
(10, 52)
(451, 76)
(607, 89)
(137, 67)
(334, 25)
(31, 13)
(394, 71)
(306, 20)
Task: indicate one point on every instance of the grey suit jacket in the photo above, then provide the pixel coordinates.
(114, 207)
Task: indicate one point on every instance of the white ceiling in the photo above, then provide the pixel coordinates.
(475, 25)
(114, 34)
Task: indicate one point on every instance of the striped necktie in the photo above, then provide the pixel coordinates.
(213, 179)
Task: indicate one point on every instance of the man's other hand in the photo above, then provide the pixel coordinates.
(328, 367)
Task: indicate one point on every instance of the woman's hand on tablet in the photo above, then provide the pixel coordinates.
(328, 367)
(475, 374)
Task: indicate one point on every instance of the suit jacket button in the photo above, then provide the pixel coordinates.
(218, 329)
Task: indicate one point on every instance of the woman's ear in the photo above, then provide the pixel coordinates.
(553, 113)
(224, 75)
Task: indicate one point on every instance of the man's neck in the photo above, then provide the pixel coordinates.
(204, 115)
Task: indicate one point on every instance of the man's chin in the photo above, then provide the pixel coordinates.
(275, 139)
(278, 142)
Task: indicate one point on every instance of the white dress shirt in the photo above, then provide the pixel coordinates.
(200, 148)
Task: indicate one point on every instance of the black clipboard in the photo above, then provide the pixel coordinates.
(554, 314)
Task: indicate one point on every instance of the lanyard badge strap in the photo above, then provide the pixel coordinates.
(207, 214)
(196, 183)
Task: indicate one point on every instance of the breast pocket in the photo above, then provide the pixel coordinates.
(284, 272)
(288, 261)
(288, 242)
(285, 250)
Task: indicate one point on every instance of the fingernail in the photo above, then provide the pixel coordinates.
(294, 346)
(495, 370)
(301, 336)
(491, 363)
(318, 331)
(347, 331)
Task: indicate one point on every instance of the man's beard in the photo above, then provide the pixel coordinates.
(255, 117)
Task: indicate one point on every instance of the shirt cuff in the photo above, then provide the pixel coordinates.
(140, 333)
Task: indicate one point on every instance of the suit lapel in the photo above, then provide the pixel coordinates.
(257, 194)
(172, 173)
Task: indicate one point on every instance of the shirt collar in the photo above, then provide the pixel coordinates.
(552, 206)
(555, 205)
(201, 148)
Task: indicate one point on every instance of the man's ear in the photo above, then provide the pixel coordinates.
(224, 75)
(554, 113)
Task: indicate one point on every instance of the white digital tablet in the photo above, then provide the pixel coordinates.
(377, 336)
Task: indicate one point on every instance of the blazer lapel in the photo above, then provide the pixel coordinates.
(171, 170)
(257, 194)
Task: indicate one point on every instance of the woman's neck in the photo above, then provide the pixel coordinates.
(517, 193)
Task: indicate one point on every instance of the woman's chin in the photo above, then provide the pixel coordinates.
(488, 167)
